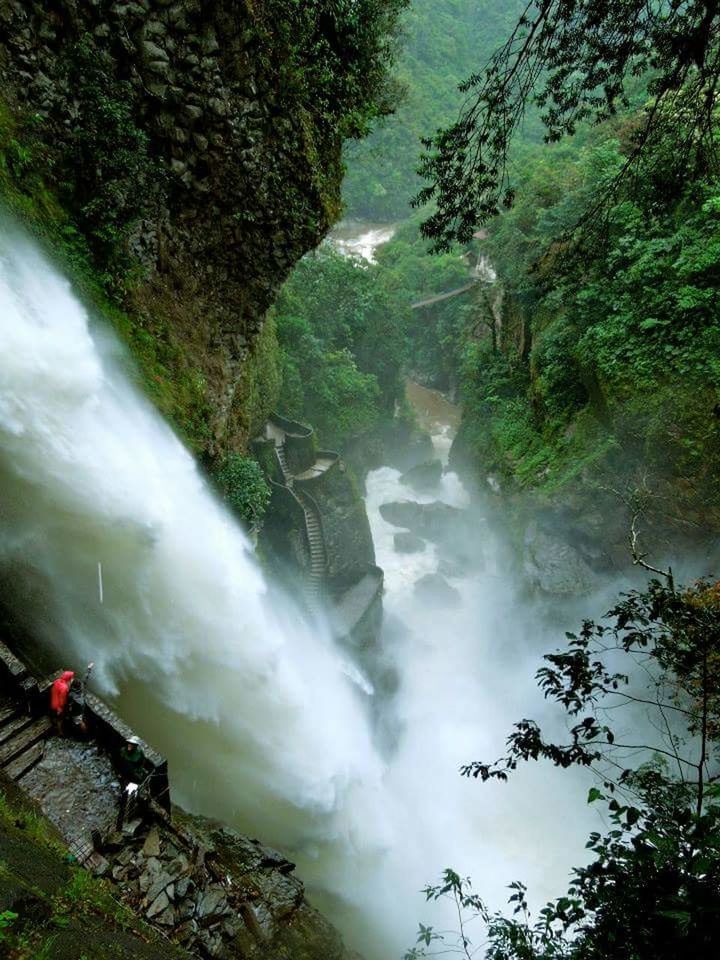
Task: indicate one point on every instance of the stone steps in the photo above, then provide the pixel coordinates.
(8, 711)
(313, 529)
(25, 762)
(32, 734)
(14, 726)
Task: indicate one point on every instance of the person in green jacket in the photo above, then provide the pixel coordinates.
(131, 762)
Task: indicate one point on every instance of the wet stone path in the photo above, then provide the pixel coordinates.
(77, 788)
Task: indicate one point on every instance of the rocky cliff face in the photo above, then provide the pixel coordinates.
(194, 145)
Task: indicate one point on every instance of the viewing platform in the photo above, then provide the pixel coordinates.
(73, 778)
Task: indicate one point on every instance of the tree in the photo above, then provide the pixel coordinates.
(653, 890)
(244, 488)
(577, 60)
(341, 333)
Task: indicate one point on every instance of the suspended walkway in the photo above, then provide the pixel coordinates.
(443, 296)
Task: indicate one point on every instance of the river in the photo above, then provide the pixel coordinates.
(351, 237)
(465, 674)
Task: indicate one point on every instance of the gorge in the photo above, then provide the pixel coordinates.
(354, 517)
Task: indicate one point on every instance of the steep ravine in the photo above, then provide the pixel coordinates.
(462, 656)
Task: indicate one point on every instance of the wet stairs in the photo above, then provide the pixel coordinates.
(22, 738)
(318, 556)
(318, 559)
(280, 447)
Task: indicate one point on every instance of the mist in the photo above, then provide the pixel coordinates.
(251, 702)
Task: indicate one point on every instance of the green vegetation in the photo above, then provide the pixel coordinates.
(111, 181)
(257, 391)
(55, 910)
(622, 329)
(337, 58)
(340, 330)
(576, 61)
(651, 889)
(348, 337)
(95, 177)
(244, 488)
(444, 41)
(165, 370)
(434, 334)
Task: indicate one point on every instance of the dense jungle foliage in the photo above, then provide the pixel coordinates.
(348, 336)
(610, 346)
(341, 336)
(444, 41)
(574, 61)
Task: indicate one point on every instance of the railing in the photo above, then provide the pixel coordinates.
(291, 427)
(107, 728)
(318, 516)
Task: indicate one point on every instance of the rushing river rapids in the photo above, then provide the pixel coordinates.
(251, 703)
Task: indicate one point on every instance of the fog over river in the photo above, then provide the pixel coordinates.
(251, 703)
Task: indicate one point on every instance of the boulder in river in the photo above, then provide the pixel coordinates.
(450, 568)
(434, 590)
(424, 476)
(435, 521)
(407, 542)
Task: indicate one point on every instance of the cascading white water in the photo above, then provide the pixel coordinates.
(251, 704)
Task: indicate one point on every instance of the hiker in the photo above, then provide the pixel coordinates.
(131, 762)
(78, 697)
(131, 770)
(59, 693)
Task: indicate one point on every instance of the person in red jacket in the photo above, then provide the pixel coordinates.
(59, 693)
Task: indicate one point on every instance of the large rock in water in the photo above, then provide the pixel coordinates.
(424, 476)
(434, 521)
(434, 590)
(407, 542)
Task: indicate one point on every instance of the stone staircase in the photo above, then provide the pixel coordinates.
(22, 738)
(318, 556)
(280, 447)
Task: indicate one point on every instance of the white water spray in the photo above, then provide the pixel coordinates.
(252, 705)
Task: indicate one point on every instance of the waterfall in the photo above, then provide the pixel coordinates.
(251, 703)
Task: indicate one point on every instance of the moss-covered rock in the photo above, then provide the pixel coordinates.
(181, 157)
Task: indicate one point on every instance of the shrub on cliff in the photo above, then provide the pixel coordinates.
(243, 487)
